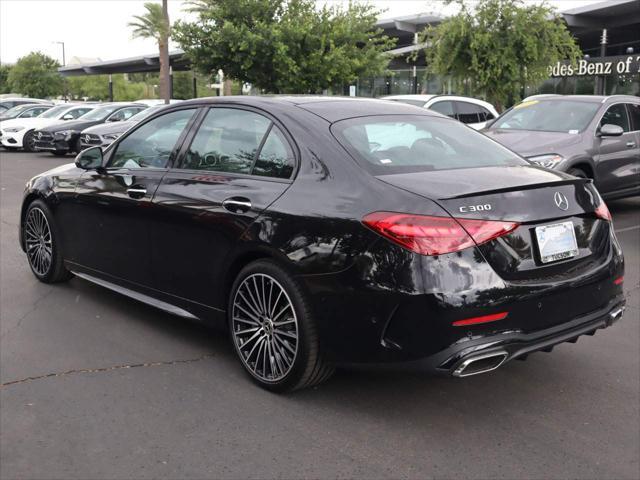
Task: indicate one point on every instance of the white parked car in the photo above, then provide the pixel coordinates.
(18, 132)
(475, 113)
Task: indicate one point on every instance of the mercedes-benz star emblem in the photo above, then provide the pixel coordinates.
(87, 138)
(561, 201)
(39, 135)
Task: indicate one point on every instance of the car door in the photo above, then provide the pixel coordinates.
(108, 223)
(616, 165)
(237, 163)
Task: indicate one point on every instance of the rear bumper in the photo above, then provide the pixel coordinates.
(458, 359)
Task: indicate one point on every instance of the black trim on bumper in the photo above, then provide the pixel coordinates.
(519, 344)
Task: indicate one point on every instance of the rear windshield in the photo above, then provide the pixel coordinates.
(392, 144)
(548, 116)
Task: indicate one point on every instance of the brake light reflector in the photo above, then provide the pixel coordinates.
(428, 235)
(603, 212)
(483, 319)
(618, 281)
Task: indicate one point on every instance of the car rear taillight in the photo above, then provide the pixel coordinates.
(603, 212)
(429, 235)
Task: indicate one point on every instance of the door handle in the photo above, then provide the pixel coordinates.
(237, 204)
(631, 144)
(137, 191)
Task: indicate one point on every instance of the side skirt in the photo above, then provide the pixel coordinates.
(141, 297)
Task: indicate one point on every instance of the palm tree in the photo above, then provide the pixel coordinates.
(155, 24)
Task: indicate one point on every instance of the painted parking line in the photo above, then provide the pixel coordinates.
(635, 227)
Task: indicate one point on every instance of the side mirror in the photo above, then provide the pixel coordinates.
(113, 119)
(89, 159)
(610, 130)
(67, 116)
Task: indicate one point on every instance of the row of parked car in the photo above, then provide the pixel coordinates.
(35, 125)
(587, 136)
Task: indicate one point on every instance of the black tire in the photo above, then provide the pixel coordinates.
(10, 149)
(59, 153)
(55, 271)
(577, 172)
(28, 142)
(306, 366)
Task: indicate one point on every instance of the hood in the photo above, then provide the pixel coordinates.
(77, 125)
(111, 127)
(442, 184)
(30, 123)
(529, 142)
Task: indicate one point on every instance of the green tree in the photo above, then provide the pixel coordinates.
(36, 75)
(4, 78)
(499, 46)
(96, 87)
(155, 24)
(284, 45)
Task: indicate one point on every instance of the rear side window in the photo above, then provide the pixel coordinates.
(231, 140)
(634, 112)
(445, 108)
(393, 144)
(469, 112)
(616, 115)
(227, 141)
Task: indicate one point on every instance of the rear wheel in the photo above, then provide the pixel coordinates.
(29, 142)
(273, 331)
(41, 241)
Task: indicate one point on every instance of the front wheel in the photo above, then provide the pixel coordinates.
(273, 330)
(577, 172)
(41, 241)
(29, 142)
(59, 153)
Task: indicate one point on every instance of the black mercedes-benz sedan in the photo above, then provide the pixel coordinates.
(63, 138)
(328, 231)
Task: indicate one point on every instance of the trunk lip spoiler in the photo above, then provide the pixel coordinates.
(533, 186)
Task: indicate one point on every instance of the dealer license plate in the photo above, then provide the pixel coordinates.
(556, 242)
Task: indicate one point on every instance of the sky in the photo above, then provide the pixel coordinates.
(98, 28)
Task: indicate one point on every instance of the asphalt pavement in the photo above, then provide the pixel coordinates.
(95, 385)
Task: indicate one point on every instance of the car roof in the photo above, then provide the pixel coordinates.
(588, 98)
(332, 109)
(421, 97)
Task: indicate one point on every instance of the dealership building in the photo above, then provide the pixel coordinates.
(608, 33)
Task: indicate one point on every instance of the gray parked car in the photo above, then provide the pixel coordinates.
(589, 136)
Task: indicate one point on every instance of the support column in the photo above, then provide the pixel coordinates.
(170, 83)
(110, 88)
(195, 85)
(601, 81)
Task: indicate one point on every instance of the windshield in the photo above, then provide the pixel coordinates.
(101, 113)
(549, 116)
(145, 113)
(54, 112)
(15, 111)
(410, 143)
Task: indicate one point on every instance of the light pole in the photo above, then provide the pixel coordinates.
(64, 64)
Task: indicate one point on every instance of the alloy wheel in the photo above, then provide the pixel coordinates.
(265, 327)
(38, 241)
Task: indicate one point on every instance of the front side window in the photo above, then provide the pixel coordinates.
(227, 141)
(33, 112)
(388, 144)
(151, 145)
(79, 112)
(616, 115)
(445, 108)
(569, 116)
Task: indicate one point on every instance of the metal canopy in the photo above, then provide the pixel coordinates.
(145, 63)
(609, 14)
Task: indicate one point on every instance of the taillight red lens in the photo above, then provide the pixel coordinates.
(603, 212)
(429, 235)
(483, 319)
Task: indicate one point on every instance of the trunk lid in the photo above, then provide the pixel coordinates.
(532, 196)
